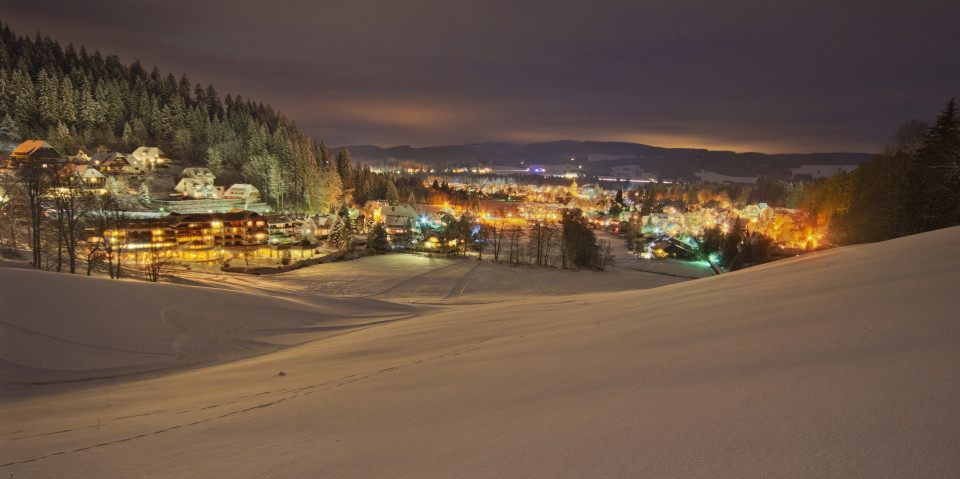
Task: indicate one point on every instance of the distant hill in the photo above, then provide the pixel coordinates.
(598, 157)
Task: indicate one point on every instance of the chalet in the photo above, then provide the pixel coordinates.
(242, 191)
(371, 209)
(150, 156)
(92, 178)
(315, 228)
(113, 163)
(198, 183)
(397, 218)
(35, 151)
(198, 173)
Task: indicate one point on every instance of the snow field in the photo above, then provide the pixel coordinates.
(839, 364)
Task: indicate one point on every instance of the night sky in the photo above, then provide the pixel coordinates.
(766, 76)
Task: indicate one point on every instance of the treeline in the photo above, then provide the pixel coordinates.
(912, 187)
(539, 242)
(360, 184)
(75, 99)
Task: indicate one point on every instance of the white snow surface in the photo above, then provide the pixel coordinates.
(844, 363)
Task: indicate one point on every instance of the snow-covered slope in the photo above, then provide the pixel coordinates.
(844, 363)
(57, 327)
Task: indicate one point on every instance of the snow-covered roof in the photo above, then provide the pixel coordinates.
(148, 153)
(197, 172)
(241, 191)
(113, 159)
(32, 147)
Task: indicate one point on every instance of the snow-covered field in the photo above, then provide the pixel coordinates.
(844, 363)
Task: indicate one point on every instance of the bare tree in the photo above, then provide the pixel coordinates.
(497, 230)
(482, 236)
(110, 221)
(156, 260)
(543, 240)
(515, 235)
(35, 179)
(11, 199)
(93, 253)
(606, 255)
(551, 238)
(535, 245)
(68, 200)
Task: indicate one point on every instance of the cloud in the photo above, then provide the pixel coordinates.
(806, 76)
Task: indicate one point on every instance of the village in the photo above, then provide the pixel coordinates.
(171, 213)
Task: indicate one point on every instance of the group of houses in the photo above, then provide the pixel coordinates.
(196, 192)
(141, 160)
(93, 170)
(783, 226)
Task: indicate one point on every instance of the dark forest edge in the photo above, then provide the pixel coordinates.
(913, 186)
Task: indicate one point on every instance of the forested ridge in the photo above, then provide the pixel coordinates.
(79, 100)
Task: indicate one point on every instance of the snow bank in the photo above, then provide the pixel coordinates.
(57, 327)
(844, 363)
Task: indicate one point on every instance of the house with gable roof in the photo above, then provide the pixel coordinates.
(396, 218)
(114, 162)
(91, 178)
(34, 151)
(315, 228)
(150, 156)
(242, 191)
(371, 209)
(198, 183)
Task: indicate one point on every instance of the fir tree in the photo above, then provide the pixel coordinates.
(392, 196)
(214, 161)
(345, 168)
(731, 246)
(338, 233)
(377, 238)
(48, 98)
(344, 213)
(144, 196)
(9, 129)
